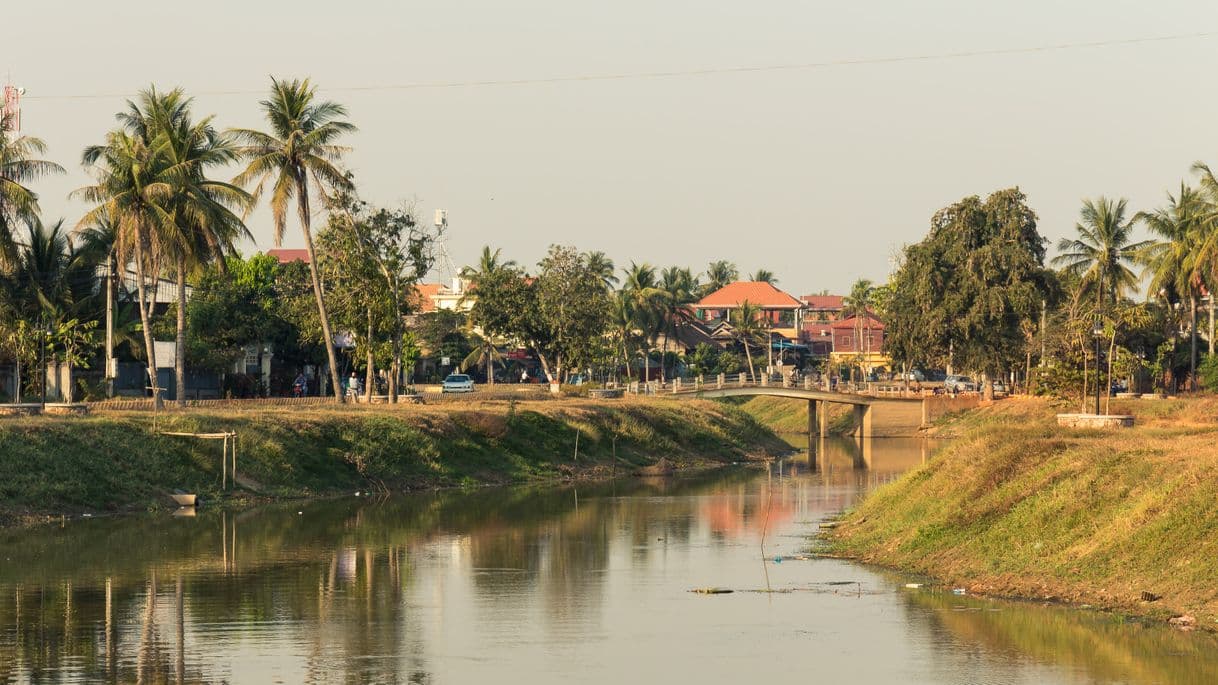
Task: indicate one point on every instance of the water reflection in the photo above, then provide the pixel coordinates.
(532, 584)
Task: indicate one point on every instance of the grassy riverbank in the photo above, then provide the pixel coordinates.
(114, 461)
(1016, 506)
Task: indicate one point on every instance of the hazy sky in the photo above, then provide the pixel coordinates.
(819, 175)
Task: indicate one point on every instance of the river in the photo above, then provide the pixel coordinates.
(587, 584)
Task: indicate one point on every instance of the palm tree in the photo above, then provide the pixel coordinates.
(207, 229)
(646, 303)
(748, 329)
(764, 276)
(18, 166)
(602, 265)
(623, 324)
(719, 274)
(297, 156)
(1175, 262)
(484, 352)
(134, 191)
(1101, 253)
(489, 262)
(679, 289)
(858, 305)
(1207, 250)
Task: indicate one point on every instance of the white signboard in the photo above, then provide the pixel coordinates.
(166, 354)
(444, 361)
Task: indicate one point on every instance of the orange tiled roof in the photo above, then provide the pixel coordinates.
(871, 322)
(288, 256)
(426, 293)
(757, 293)
(830, 302)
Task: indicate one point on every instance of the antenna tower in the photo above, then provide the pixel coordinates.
(446, 271)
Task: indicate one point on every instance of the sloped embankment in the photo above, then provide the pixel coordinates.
(1016, 506)
(114, 461)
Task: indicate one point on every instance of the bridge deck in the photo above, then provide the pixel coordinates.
(792, 393)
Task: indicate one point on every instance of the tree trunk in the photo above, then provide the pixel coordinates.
(370, 374)
(490, 365)
(327, 337)
(749, 355)
(146, 322)
(179, 365)
(395, 368)
(1192, 355)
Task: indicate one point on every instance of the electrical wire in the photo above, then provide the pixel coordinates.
(681, 73)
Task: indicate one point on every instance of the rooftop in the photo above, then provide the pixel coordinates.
(759, 293)
(824, 302)
(869, 322)
(286, 256)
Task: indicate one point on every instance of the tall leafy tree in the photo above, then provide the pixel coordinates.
(19, 166)
(298, 157)
(970, 285)
(858, 305)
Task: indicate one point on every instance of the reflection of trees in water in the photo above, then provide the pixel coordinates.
(101, 598)
(1104, 647)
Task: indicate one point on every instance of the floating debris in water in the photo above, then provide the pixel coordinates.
(712, 591)
(959, 591)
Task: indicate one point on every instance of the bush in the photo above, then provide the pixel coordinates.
(1208, 372)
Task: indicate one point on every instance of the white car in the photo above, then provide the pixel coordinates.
(457, 382)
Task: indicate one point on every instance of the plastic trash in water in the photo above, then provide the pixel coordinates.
(913, 586)
(958, 591)
(777, 560)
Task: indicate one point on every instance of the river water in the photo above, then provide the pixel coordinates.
(587, 584)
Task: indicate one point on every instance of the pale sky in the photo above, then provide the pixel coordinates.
(819, 175)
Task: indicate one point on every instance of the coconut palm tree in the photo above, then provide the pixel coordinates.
(599, 263)
(858, 305)
(764, 276)
(484, 352)
(622, 323)
(489, 262)
(1103, 250)
(207, 227)
(748, 329)
(1176, 262)
(19, 166)
(134, 192)
(298, 157)
(646, 303)
(679, 289)
(719, 274)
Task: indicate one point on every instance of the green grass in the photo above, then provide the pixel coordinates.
(114, 461)
(1016, 505)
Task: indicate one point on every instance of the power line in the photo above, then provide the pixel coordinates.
(680, 73)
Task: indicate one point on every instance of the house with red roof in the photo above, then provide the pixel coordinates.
(859, 340)
(287, 256)
(783, 312)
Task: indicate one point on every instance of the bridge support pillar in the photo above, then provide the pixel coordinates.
(813, 423)
(720, 381)
(862, 420)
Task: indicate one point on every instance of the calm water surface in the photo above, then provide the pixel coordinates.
(541, 585)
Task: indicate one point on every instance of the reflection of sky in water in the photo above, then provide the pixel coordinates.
(587, 584)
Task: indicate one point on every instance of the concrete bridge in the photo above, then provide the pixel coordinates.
(873, 416)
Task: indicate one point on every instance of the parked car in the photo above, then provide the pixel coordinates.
(955, 383)
(934, 376)
(457, 382)
(914, 375)
(1000, 387)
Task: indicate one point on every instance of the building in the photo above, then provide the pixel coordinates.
(859, 340)
(456, 297)
(287, 256)
(783, 312)
(822, 308)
